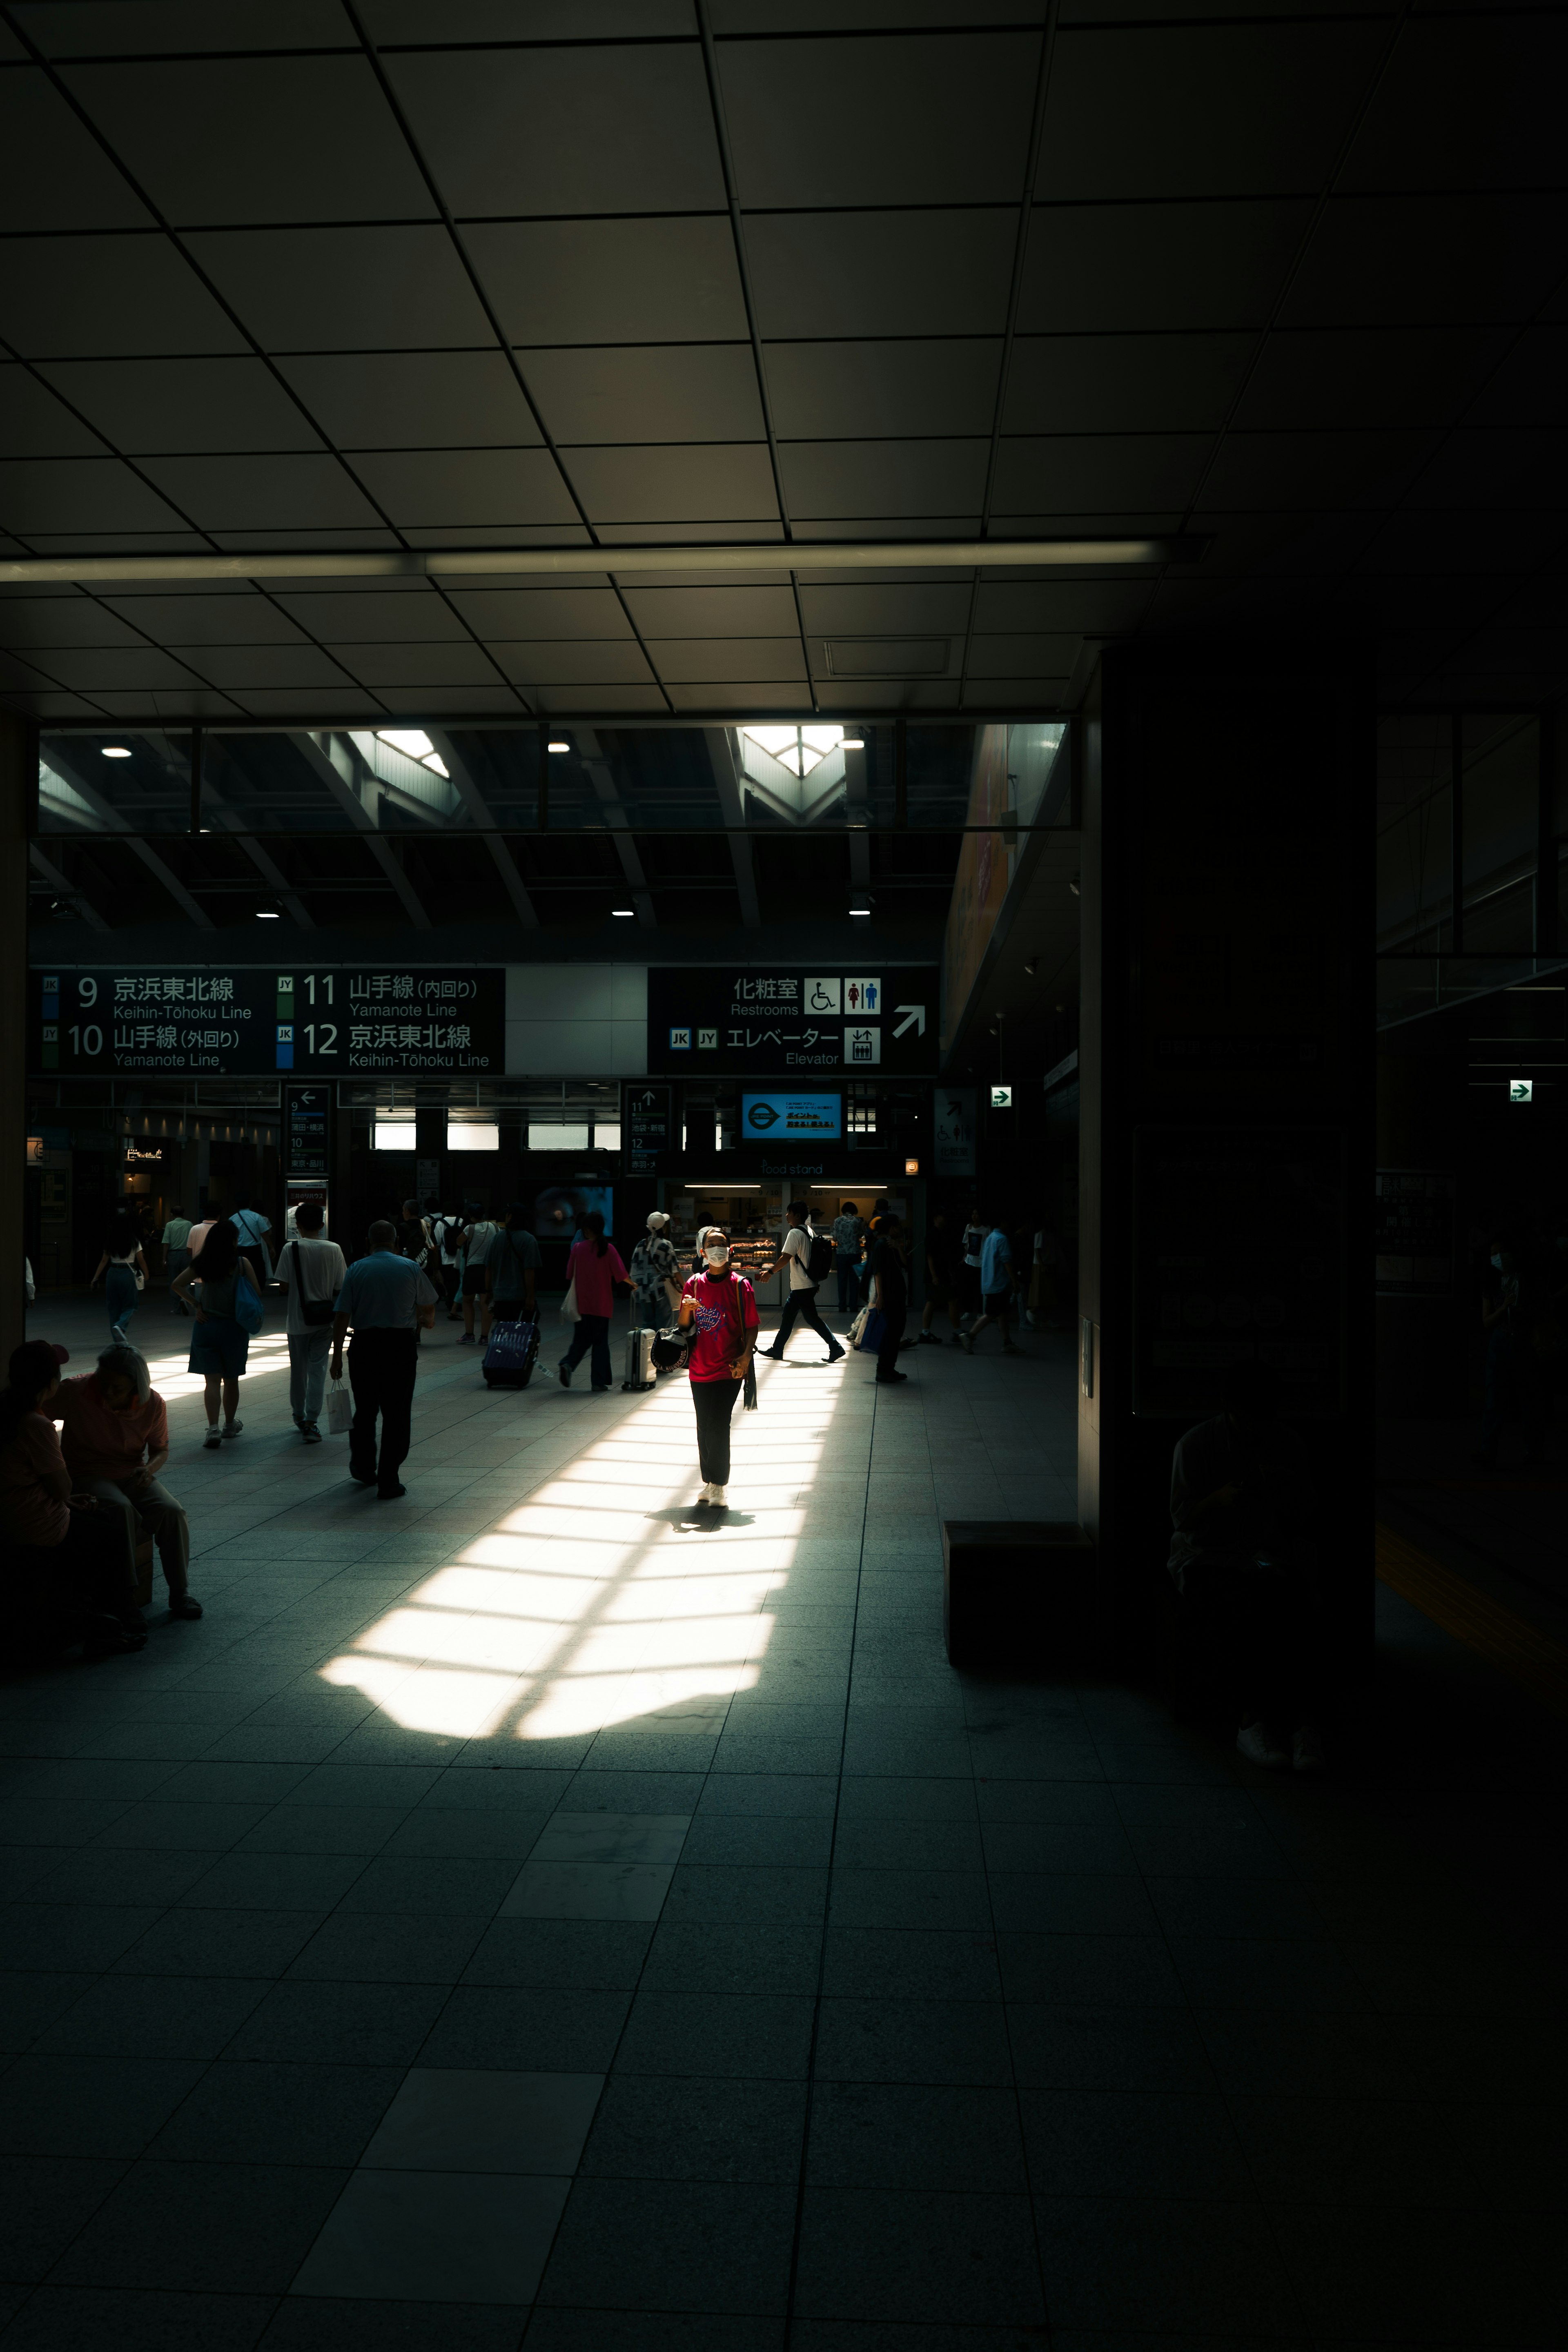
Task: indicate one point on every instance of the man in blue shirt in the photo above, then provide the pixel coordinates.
(387, 1301)
(996, 1291)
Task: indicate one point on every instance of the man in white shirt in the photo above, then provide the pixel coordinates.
(313, 1271)
(801, 1304)
(176, 1254)
(477, 1239)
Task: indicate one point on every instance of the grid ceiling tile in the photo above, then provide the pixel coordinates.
(1384, 261)
(441, 664)
(1473, 99)
(527, 20)
(1094, 607)
(424, 702)
(873, 121)
(1023, 657)
(1368, 376)
(847, 391)
(342, 289)
(734, 16)
(1304, 470)
(883, 477)
(421, 618)
(572, 662)
(764, 694)
(91, 669)
(725, 611)
(672, 391)
(881, 273)
(1124, 384)
(262, 493)
(69, 494)
(1252, 109)
(415, 400)
(648, 696)
(543, 612)
(338, 703)
(611, 281)
(146, 406)
(1080, 473)
(1530, 387)
(450, 488)
(726, 659)
(1518, 466)
(34, 424)
(194, 702)
(67, 295)
(917, 609)
(44, 702)
(20, 676)
(98, 28)
(651, 147)
(1123, 267)
(257, 139)
(982, 693)
(248, 619)
(43, 621)
(237, 669)
(714, 482)
(53, 173)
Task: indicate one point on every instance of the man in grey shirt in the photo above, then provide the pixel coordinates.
(512, 1261)
(387, 1301)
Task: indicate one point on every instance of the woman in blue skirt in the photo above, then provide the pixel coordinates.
(219, 1342)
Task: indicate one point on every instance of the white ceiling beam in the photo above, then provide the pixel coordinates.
(112, 820)
(478, 809)
(721, 757)
(316, 752)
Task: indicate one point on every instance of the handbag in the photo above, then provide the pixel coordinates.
(569, 1311)
(248, 1312)
(873, 1332)
(340, 1407)
(313, 1311)
(857, 1328)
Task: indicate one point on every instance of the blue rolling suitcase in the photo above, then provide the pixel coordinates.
(512, 1353)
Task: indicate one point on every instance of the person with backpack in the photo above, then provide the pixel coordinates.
(809, 1257)
(511, 1260)
(654, 1280)
(849, 1241)
(230, 1286)
(313, 1270)
(446, 1266)
(723, 1306)
(478, 1235)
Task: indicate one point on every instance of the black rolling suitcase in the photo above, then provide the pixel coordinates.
(512, 1353)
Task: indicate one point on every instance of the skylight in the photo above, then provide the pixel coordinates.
(414, 744)
(798, 749)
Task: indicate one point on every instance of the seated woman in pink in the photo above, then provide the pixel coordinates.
(71, 1572)
(723, 1306)
(592, 1265)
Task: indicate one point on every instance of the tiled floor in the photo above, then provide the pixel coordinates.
(529, 1913)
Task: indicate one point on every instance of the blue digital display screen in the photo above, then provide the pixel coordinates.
(792, 1119)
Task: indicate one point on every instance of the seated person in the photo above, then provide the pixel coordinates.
(70, 1569)
(115, 1441)
(1241, 1502)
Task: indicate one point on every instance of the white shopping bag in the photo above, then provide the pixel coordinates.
(569, 1313)
(340, 1407)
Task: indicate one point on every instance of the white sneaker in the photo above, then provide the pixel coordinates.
(1258, 1745)
(716, 1495)
(1307, 1749)
(707, 1494)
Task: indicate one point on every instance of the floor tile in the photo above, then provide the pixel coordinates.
(570, 2032)
(43, 2202)
(886, 2254)
(241, 2228)
(587, 1890)
(101, 2319)
(276, 2111)
(435, 2237)
(607, 1837)
(98, 2106)
(922, 2137)
(673, 2246)
(483, 2120)
(698, 2128)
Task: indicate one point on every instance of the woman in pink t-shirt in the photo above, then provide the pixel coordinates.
(723, 1306)
(594, 1265)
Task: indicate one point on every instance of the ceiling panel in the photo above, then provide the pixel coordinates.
(339, 703)
(263, 493)
(897, 610)
(881, 273)
(53, 173)
(139, 27)
(69, 494)
(611, 281)
(572, 662)
(766, 694)
(1531, 387)
(729, 658)
(697, 392)
(146, 406)
(420, 617)
(1385, 261)
(504, 129)
(64, 295)
(1313, 469)
(845, 390)
(90, 670)
(1124, 384)
(241, 668)
(1368, 376)
(438, 665)
(1023, 657)
(257, 139)
(1472, 100)
(1098, 607)
(661, 484)
(191, 620)
(34, 424)
(341, 289)
(648, 696)
(1098, 473)
(527, 20)
(62, 621)
(1121, 266)
(877, 122)
(415, 400)
(1255, 110)
(1524, 466)
(452, 487)
(713, 612)
(543, 612)
(883, 477)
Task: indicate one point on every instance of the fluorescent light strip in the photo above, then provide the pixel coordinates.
(390, 563)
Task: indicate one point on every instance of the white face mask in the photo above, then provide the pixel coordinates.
(717, 1253)
(1496, 1260)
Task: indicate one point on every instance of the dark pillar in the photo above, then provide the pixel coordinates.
(1227, 1058)
(16, 800)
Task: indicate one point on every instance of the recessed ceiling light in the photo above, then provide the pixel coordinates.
(117, 751)
(558, 747)
(624, 911)
(860, 905)
(267, 915)
(853, 739)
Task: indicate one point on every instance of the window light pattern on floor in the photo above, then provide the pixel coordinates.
(606, 1596)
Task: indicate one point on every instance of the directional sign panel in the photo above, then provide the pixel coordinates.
(797, 1025)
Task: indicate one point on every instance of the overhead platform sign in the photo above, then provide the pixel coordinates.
(880, 1023)
(238, 1020)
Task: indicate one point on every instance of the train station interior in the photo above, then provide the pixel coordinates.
(901, 667)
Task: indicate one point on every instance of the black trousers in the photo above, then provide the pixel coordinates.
(91, 1572)
(1261, 1636)
(895, 1313)
(382, 1366)
(715, 1403)
(801, 1308)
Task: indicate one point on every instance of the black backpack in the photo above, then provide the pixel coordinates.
(820, 1256)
